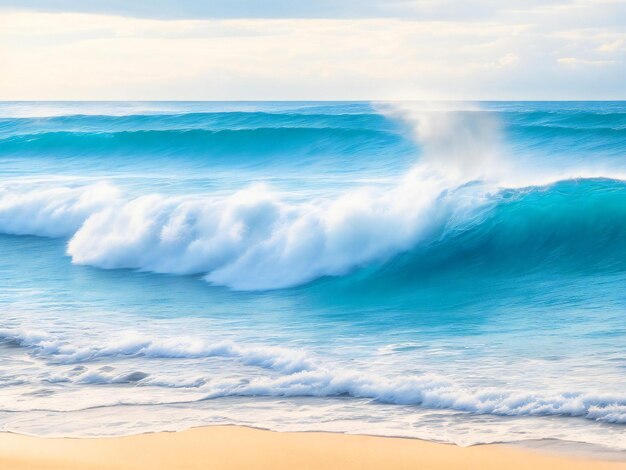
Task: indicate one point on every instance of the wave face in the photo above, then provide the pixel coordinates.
(209, 142)
(254, 240)
(388, 267)
(205, 140)
(570, 226)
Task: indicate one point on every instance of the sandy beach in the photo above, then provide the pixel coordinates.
(234, 447)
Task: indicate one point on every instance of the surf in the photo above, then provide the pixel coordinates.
(415, 269)
(464, 198)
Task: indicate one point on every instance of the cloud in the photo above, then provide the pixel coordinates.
(393, 50)
(612, 46)
(575, 62)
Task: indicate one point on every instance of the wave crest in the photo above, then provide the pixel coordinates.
(258, 239)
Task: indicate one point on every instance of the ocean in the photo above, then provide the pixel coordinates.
(454, 272)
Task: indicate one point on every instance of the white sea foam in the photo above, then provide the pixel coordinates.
(51, 212)
(136, 345)
(296, 373)
(434, 392)
(255, 240)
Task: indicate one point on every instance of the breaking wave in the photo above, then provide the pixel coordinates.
(455, 205)
(255, 240)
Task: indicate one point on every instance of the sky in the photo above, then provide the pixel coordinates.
(312, 50)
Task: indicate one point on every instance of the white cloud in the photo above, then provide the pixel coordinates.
(612, 46)
(497, 54)
(574, 62)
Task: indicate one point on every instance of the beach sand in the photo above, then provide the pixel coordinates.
(234, 447)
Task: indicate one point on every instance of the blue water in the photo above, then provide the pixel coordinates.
(454, 272)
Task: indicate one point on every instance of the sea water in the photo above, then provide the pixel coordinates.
(448, 271)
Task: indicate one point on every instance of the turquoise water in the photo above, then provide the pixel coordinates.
(453, 272)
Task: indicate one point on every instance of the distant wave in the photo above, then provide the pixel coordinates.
(233, 120)
(187, 142)
(566, 132)
(573, 119)
(302, 375)
(239, 131)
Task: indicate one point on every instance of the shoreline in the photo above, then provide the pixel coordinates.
(240, 447)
